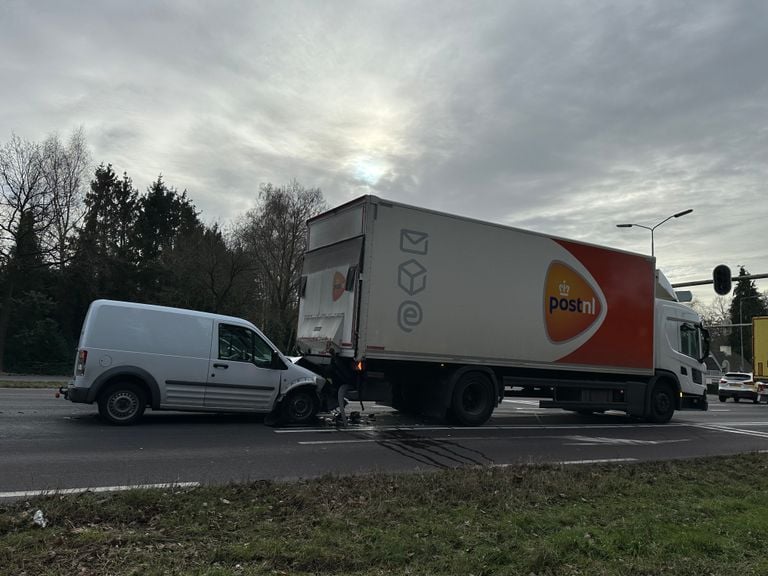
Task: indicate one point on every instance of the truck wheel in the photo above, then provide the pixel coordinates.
(662, 403)
(122, 403)
(473, 399)
(735, 398)
(300, 407)
(722, 398)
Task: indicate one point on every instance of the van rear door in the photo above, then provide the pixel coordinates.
(240, 377)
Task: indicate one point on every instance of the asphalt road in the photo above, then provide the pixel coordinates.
(52, 444)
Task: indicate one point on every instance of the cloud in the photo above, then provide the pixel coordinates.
(564, 117)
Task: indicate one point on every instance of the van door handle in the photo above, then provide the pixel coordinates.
(225, 366)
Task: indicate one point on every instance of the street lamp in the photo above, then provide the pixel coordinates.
(741, 332)
(652, 228)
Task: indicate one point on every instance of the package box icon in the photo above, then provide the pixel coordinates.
(412, 277)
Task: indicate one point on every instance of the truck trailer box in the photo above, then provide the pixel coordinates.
(406, 293)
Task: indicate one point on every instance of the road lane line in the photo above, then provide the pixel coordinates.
(596, 461)
(63, 491)
(498, 427)
(570, 462)
(720, 428)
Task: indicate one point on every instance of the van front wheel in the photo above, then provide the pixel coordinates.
(122, 403)
(300, 407)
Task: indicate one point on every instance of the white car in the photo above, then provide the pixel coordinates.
(737, 385)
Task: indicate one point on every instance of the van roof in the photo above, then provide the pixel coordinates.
(137, 305)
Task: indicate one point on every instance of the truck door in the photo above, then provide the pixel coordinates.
(239, 376)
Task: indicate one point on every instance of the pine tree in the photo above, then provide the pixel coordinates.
(746, 303)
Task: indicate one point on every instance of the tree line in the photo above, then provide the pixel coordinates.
(70, 234)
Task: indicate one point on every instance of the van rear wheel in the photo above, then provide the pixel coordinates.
(122, 403)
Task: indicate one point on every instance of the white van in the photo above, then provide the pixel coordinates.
(131, 356)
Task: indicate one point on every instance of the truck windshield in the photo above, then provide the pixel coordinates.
(690, 340)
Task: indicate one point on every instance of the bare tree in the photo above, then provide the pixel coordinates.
(24, 219)
(274, 235)
(65, 170)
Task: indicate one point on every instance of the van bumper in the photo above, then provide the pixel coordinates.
(74, 394)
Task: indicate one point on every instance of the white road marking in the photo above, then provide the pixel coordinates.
(572, 462)
(603, 441)
(597, 461)
(722, 428)
(465, 428)
(62, 491)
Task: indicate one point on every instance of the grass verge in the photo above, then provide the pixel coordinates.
(52, 384)
(694, 517)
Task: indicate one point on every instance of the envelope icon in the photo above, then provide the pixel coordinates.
(413, 242)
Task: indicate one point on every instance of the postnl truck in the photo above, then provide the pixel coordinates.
(438, 313)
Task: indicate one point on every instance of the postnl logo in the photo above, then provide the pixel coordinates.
(571, 305)
(339, 284)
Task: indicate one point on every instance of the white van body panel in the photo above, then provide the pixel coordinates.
(178, 352)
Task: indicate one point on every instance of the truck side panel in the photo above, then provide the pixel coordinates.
(450, 289)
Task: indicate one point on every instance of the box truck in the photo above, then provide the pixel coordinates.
(437, 313)
(132, 355)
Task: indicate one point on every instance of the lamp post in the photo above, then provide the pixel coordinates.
(741, 332)
(652, 228)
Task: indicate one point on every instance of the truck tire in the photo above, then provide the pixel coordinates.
(662, 403)
(473, 399)
(722, 398)
(122, 403)
(300, 406)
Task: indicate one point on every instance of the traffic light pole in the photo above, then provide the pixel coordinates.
(710, 281)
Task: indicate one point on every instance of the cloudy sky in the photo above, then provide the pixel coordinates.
(561, 117)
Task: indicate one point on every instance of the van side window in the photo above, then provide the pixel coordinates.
(239, 344)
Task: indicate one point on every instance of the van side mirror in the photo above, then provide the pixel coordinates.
(277, 362)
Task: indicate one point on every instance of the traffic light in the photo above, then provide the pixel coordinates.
(721, 277)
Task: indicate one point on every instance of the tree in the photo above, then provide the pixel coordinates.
(24, 219)
(746, 303)
(210, 271)
(64, 169)
(164, 216)
(165, 221)
(106, 246)
(274, 236)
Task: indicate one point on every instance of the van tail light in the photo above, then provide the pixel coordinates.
(82, 356)
(723, 381)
